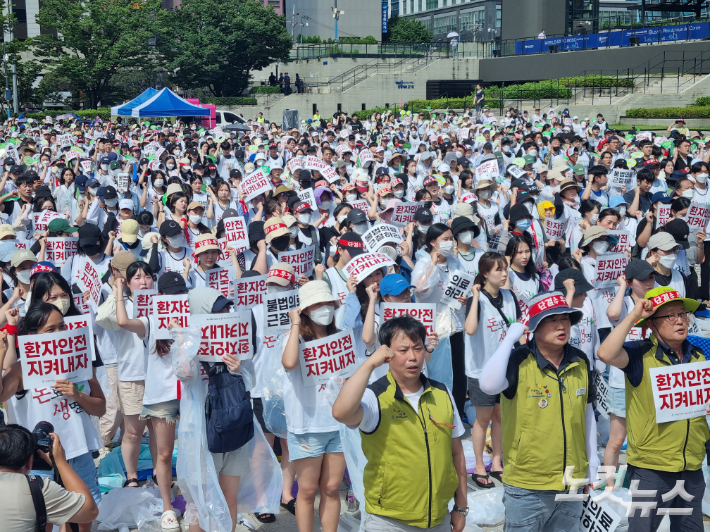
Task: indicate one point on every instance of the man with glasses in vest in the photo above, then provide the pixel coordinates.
(665, 458)
(411, 436)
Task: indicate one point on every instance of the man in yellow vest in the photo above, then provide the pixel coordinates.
(411, 437)
(660, 456)
(549, 429)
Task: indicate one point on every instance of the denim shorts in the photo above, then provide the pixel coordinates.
(83, 465)
(616, 399)
(168, 410)
(313, 444)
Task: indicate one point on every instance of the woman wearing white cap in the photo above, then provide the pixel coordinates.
(313, 437)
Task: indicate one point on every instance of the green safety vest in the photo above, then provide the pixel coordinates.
(674, 446)
(260, 120)
(316, 117)
(544, 423)
(410, 474)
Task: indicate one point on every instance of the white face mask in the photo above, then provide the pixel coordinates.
(170, 166)
(104, 167)
(528, 206)
(276, 288)
(448, 190)
(177, 241)
(361, 228)
(668, 261)
(23, 276)
(93, 191)
(195, 218)
(111, 202)
(423, 228)
(622, 211)
(399, 194)
(484, 195)
(158, 183)
(341, 219)
(701, 178)
(323, 315)
(293, 231)
(304, 219)
(600, 247)
(351, 197)
(466, 237)
(325, 206)
(383, 204)
(506, 149)
(594, 218)
(532, 153)
(446, 248)
(689, 193)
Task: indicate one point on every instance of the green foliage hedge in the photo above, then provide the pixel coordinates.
(703, 101)
(230, 100)
(264, 89)
(670, 112)
(103, 112)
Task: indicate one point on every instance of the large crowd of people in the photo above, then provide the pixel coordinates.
(542, 268)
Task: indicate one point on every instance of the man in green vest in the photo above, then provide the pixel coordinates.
(549, 430)
(411, 437)
(663, 457)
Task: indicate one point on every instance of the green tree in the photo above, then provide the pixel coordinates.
(95, 40)
(217, 43)
(407, 30)
(27, 72)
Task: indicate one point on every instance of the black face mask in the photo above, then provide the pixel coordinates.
(280, 243)
(306, 183)
(427, 204)
(91, 250)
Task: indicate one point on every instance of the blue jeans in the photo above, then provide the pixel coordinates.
(83, 465)
(537, 511)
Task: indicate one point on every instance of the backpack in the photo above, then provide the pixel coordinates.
(228, 410)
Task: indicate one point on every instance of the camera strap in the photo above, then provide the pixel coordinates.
(36, 485)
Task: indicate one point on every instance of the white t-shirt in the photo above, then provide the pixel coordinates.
(371, 411)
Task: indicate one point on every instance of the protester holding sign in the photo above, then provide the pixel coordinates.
(660, 454)
(313, 439)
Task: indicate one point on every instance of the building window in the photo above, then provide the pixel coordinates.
(404, 7)
(395, 9)
(444, 23)
(420, 3)
(432, 4)
(498, 17)
(426, 21)
(21, 15)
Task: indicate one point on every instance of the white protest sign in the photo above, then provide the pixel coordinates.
(664, 213)
(224, 334)
(307, 196)
(60, 249)
(332, 356)
(424, 313)
(257, 183)
(363, 265)
(464, 133)
(622, 178)
(698, 216)
(623, 244)
(249, 291)
(516, 172)
(330, 174)
(555, 229)
(469, 198)
(86, 166)
(568, 121)
(601, 393)
(404, 212)
(79, 322)
(277, 307)
(608, 269)
(167, 308)
(646, 135)
(122, 180)
(597, 516)
(70, 155)
(487, 170)
(680, 391)
(380, 235)
(296, 163)
(361, 204)
(314, 163)
(51, 356)
(235, 232)
(220, 279)
(300, 259)
(365, 158)
(225, 259)
(459, 285)
(88, 278)
(41, 220)
(143, 302)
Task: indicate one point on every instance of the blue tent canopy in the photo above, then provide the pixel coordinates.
(167, 103)
(126, 108)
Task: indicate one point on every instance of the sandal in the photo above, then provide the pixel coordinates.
(480, 484)
(155, 479)
(169, 521)
(265, 518)
(130, 481)
(498, 475)
(290, 506)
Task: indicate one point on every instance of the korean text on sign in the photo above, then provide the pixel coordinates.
(424, 313)
(332, 356)
(622, 178)
(623, 243)
(255, 184)
(680, 391)
(597, 516)
(221, 279)
(404, 212)
(363, 265)
(249, 291)
(143, 302)
(698, 215)
(664, 213)
(41, 220)
(300, 259)
(167, 308)
(601, 392)
(277, 307)
(380, 235)
(88, 279)
(487, 170)
(60, 249)
(235, 232)
(555, 229)
(79, 322)
(459, 285)
(224, 334)
(608, 269)
(52, 356)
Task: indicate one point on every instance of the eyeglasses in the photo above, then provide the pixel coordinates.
(670, 318)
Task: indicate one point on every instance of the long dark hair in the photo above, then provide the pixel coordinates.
(434, 232)
(489, 261)
(512, 248)
(36, 318)
(308, 332)
(134, 268)
(43, 286)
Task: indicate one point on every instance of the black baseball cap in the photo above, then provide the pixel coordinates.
(423, 215)
(352, 242)
(638, 269)
(110, 193)
(679, 230)
(519, 212)
(170, 228)
(581, 285)
(89, 234)
(461, 223)
(356, 216)
(230, 213)
(171, 283)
